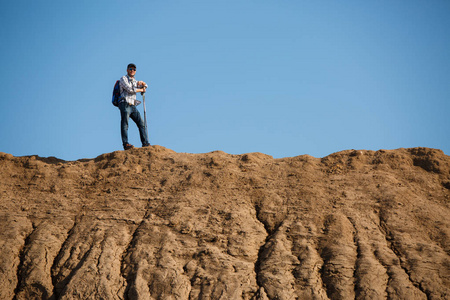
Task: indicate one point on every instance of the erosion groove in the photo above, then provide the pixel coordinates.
(21, 268)
(151, 223)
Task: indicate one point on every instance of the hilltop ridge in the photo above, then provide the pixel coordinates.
(150, 223)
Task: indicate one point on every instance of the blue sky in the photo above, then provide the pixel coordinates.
(284, 78)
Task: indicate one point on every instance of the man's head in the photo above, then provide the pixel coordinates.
(131, 70)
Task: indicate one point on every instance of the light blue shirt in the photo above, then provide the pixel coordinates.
(128, 88)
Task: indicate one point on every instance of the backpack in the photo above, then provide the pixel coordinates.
(116, 94)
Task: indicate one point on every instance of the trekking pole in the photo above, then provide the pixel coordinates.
(145, 112)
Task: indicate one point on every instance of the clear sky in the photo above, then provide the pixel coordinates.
(281, 77)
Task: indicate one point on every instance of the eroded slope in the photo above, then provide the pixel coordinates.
(154, 224)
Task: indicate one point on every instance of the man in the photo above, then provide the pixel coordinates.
(129, 87)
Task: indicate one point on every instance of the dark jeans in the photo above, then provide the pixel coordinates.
(129, 111)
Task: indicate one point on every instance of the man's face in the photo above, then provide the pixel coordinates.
(131, 71)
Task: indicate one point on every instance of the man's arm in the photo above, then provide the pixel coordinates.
(126, 85)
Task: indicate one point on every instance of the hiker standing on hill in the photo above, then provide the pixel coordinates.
(127, 105)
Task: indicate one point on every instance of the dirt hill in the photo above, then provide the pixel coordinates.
(151, 223)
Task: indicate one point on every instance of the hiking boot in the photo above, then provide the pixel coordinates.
(128, 146)
(146, 145)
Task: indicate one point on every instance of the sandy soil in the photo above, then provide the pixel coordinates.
(150, 223)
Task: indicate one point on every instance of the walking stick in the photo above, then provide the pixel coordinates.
(145, 112)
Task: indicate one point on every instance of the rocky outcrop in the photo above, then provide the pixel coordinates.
(150, 223)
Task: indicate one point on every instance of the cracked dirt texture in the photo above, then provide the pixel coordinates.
(151, 223)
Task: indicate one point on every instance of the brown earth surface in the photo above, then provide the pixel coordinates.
(151, 223)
